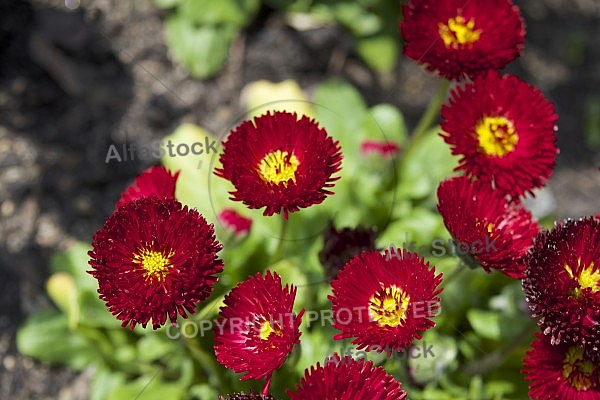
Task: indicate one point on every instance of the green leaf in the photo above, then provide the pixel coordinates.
(421, 227)
(380, 52)
(104, 381)
(510, 300)
(357, 19)
(228, 12)
(292, 273)
(341, 110)
(201, 49)
(61, 289)
(341, 103)
(167, 3)
(262, 96)
(425, 166)
(75, 262)
(390, 123)
(443, 361)
(476, 388)
(198, 188)
(203, 391)
(93, 311)
(46, 337)
(486, 323)
(85, 307)
(500, 389)
(148, 387)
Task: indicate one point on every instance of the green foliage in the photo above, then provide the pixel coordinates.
(199, 33)
(202, 48)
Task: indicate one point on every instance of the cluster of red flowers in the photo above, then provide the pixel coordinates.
(155, 259)
(504, 131)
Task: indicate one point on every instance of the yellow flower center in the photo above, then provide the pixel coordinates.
(497, 136)
(279, 166)
(587, 279)
(459, 32)
(577, 370)
(155, 263)
(388, 306)
(266, 329)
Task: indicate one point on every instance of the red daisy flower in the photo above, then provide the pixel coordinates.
(562, 283)
(485, 226)
(257, 329)
(504, 129)
(231, 219)
(280, 162)
(458, 37)
(153, 181)
(339, 246)
(347, 379)
(154, 258)
(385, 301)
(382, 148)
(560, 372)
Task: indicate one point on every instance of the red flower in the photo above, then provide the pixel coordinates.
(496, 233)
(560, 372)
(244, 396)
(154, 258)
(562, 283)
(457, 37)
(347, 379)
(504, 129)
(385, 301)
(257, 329)
(339, 246)
(235, 221)
(381, 148)
(153, 181)
(280, 162)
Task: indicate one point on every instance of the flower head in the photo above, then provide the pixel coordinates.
(560, 371)
(504, 130)
(153, 259)
(385, 301)
(457, 37)
(562, 283)
(257, 329)
(347, 379)
(484, 225)
(235, 221)
(280, 162)
(153, 181)
(381, 148)
(340, 246)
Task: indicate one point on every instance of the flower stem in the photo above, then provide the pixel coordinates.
(205, 361)
(265, 391)
(429, 116)
(492, 360)
(278, 255)
(457, 271)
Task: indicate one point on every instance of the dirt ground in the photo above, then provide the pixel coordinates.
(73, 82)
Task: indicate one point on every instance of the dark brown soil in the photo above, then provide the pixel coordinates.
(73, 82)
